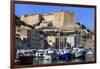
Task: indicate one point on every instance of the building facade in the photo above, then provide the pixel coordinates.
(58, 30)
(37, 39)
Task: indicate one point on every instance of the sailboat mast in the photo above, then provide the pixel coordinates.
(59, 38)
(90, 39)
(80, 35)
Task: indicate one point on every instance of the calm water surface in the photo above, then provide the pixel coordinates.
(41, 61)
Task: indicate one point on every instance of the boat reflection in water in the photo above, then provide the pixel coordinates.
(44, 61)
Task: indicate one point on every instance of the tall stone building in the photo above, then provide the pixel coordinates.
(62, 19)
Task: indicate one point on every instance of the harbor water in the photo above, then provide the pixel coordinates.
(88, 58)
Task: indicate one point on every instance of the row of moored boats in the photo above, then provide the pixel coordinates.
(53, 54)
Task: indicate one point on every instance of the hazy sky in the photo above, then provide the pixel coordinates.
(83, 15)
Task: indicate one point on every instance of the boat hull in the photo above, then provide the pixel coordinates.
(52, 56)
(79, 55)
(66, 56)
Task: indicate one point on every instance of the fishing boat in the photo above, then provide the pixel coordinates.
(24, 56)
(78, 52)
(89, 51)
(65, 54)
(24, 53)
(50, 54)
(39, 54)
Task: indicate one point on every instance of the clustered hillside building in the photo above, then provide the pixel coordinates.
(58, 29)
(27, 37)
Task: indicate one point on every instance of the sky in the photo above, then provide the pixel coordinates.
(82, 14)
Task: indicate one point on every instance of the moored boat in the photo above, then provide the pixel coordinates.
(78, 52)
(39, 54)
(50, 54)
(89, 52)
(65, 54)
